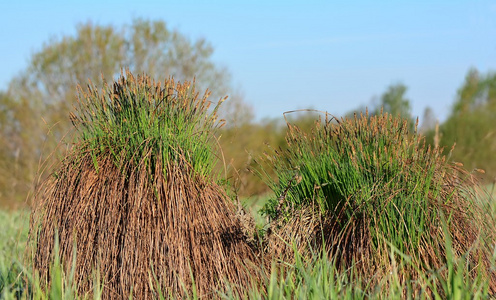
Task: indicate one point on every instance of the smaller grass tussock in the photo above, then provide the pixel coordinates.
(138, 198)
(360, 187)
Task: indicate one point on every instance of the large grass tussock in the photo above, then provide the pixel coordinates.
(138, 198)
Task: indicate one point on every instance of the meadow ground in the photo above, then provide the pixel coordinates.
(13, 235)
(14, 226)
(312, 281)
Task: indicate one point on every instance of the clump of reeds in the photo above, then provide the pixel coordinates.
(138, 199)
(377, 200)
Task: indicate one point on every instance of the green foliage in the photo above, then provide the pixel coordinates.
(136, 116)
(472, 124)
(348, 158)
(374, 185)
(393, 101)
(318, 278)
(367, 166)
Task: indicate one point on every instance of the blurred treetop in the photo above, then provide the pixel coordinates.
(34, 111)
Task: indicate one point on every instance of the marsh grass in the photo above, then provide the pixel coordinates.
(136, 116)
(306, 277)
(362, 208)
(137, 196)
(316, 276)
(359, 187)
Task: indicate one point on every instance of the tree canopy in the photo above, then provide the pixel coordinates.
(472, 123)
(34, 110)
(394, 101)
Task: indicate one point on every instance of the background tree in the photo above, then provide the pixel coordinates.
(393, 101)
(362, 109)
(22, 140)
(428, 120)
(472, 123)
(34, 110)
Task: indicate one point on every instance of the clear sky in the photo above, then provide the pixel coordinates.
(285, 55)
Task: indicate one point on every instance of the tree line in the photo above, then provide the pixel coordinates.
(35, 106)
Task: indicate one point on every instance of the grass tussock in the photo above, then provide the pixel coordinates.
(138, 200)
(379, 201)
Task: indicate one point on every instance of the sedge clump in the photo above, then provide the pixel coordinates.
(376, 199)
(137, 200)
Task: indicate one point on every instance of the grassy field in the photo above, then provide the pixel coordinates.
(315, 279)
(13, 236)
(361, 208)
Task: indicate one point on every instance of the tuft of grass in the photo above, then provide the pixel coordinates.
(137, 193)
(136, 116)
(358, 187)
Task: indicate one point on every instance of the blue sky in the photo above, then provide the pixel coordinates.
(285, 55)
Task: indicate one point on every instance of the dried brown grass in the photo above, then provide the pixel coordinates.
(373, 242)
(137, 198)
(138, 231)
(311, 232)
